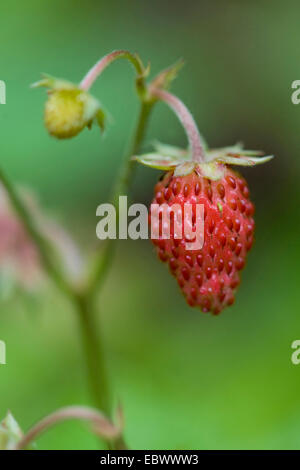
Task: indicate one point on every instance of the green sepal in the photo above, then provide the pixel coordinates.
(157, 161)
(184, 169)
(54, 83)
(10, 432)
(236, 155)
(171, 151)
(100, 118)
(168, 157)
(244, 160)
(164, 79)
(211, 170)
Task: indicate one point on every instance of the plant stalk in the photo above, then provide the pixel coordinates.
(86, 302)
(187, 121)
(103, 63)
(94, 353)
(104, 259)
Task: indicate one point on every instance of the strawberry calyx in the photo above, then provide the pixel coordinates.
(171, 158)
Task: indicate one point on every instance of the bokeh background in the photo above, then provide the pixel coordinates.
(186, 380)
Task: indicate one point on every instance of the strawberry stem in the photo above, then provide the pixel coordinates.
(98, 68)
(121, 186)
(185, 117)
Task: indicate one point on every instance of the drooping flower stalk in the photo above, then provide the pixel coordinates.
(121, 186)
(98, 68)
(86, 301)
(187, 121)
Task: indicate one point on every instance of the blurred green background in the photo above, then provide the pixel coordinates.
(186, 380)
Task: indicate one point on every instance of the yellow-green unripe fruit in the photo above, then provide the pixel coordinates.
(68, 111)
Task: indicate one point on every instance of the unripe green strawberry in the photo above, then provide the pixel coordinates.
(209, 277)
(69, 109)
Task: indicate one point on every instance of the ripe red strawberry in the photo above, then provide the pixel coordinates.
(208, 272)
(209, 277)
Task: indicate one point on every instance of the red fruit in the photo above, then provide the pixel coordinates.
(210, 276)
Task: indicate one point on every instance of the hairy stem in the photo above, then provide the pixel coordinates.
(93, 350)
(86, 302)
(186, 119)
(104, 259)
(98, 68)
(101, 425)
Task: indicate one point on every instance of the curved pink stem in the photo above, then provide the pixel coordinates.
(101, 424)
(98, 68)
(186, 119)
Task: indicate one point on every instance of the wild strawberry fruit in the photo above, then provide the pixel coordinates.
(69, 109)
(208, 277)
